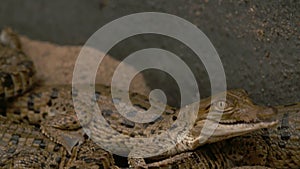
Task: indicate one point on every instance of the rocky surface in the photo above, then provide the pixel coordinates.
(258, 41)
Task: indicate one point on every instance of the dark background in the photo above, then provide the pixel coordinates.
(258, 41)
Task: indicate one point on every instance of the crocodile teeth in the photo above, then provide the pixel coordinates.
(228, 121)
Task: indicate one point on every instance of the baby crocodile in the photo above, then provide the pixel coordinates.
(24, 146)
(275, 147)
(52, 106)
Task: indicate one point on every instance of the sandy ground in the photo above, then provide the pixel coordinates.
(55, 64)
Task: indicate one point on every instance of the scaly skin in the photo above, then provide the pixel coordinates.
(53, 107)
(17, 142)
(24, 146)
(16, 68)
(275, 147)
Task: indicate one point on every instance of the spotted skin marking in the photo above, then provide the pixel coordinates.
(44, 106)
(24, 146)
(57, 102)
(17, 71)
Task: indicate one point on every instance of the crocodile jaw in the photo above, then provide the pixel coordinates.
(211, 134)
(214, 132)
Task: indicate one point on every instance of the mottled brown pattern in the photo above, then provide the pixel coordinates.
(60, 99)
(66, 145)
(275, 147)
(24, 146)
(16, 69)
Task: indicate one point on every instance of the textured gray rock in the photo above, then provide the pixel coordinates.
(258, 41)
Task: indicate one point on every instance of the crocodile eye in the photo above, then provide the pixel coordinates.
(221, 105)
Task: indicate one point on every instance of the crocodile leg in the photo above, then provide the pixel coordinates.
(62, 129)
(202, 158)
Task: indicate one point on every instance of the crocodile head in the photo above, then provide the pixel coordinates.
(220, 119)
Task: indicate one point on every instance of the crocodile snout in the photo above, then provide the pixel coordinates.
(268, 114)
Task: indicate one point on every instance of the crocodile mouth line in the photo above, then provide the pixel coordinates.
(235, 122)
(232, 123)
(235, 129)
